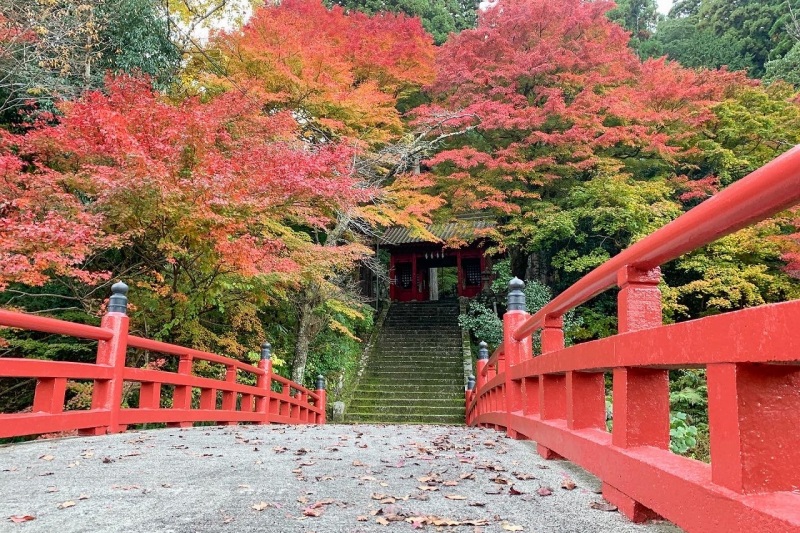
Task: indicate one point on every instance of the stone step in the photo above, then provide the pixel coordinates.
(373, 418)
(422, 405)
(410, 390)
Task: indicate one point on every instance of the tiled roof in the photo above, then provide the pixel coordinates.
(461, 229)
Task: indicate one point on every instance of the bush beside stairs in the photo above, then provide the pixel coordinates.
(416, 371)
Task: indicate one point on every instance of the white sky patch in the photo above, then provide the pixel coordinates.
(664, 6)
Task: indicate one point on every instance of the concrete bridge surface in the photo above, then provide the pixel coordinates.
(331, 478)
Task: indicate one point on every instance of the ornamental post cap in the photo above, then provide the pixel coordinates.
(516, 298)
(483, 351)
(471, 383)
(266, 350)
(320, 382)
(118, 303)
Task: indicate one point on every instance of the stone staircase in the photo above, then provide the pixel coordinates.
(416, 371)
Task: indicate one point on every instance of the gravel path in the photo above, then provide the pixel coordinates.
(283, 479)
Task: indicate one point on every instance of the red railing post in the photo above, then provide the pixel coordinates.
(754, 416)
(265, 382)
(49, 395)
(182, 397)
(107, 393)
(515, 351)
(469, 393)
(322, 394)
(640, 395)
(483, 358)
(552, 402)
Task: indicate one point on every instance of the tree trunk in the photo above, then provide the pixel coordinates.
(303, 342)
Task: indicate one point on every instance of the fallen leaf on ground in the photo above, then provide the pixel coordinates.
(470, 475)
(455, 497)
(544, 491)
(568, 484)
(427, 487)
(358, 463)
(508, 526)
(603, 506)
(523, 476)
(514, 492)
(20, 518)
(311, 511)
(260, 506)
(362, 518)
(46, 457)
(66, 504)
(83, 497)
(382, 521)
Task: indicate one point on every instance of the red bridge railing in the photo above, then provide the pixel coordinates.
(224, 401)
(752, 359)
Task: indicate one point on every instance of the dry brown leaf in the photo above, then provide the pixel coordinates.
(358, 463)
(544, 491)
(450, 483)
(260, 506)
(470, 475)
(66, 504)
(523, 476)
(603, 506)
(46, 457)
(500, 480)
(514, 491)
(312, 511)
(382, 521)
(427, 487)
(455, 497)
(568, 484)
(508, 526)
(83, 497)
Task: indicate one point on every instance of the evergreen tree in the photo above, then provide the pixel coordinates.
(439, 17)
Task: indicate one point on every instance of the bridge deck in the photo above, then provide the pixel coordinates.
(269, 478)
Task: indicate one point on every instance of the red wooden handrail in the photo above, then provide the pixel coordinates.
(292, 404)
(752, 359)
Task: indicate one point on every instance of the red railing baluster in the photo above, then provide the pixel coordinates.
(150, 396)
(49, 395)
(182, 395)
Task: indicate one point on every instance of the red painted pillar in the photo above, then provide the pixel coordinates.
(107, 394)
(640, 395)
(514, 350)
(552, 404)
(754, 420)
(392, 279)
(460, 274)
(481, 379)
(264, 383)
(414, 281)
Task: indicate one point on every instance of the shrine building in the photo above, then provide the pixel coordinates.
(421, 270)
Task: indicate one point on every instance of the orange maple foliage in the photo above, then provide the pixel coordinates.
(340, 73)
